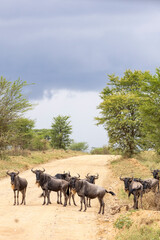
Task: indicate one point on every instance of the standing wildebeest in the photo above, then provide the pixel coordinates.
(91, 179)
(150, 184)
(49, 183)
(133, 187)
(155, 173)
(64, 176)
(86, 189)
(18, 184)
(72, 191)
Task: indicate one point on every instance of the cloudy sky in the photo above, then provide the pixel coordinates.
(67, 48)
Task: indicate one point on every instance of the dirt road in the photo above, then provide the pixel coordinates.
(38, 222)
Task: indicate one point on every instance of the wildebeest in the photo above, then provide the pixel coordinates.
(72, 191)
(18, 184)
(49, 183)
(133, 187)
(150, 184)
(91, 179)
(64, 176)
(155, 173)
(86, 189)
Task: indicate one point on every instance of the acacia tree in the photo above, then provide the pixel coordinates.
(79, 146)
(22, 133)
(150, 110)
(12, 105)
(60, 132)
(120, 111)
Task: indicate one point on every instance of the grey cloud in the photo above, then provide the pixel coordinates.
(75, 44)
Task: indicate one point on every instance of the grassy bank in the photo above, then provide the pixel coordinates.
(140, 224)
(32, 158)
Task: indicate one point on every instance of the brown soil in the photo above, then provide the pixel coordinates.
(37, 222)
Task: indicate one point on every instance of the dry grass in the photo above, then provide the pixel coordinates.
(146, 222)
(33, 158)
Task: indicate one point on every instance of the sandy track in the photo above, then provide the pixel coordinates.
(37, 222)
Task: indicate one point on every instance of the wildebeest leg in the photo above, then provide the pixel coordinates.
(58, 197)
(103, 205)
(24, 201)
(73, 199)
(22, 196)
(100, 202)
(44, 195)
(70, 194)
(17, 197)
(65, 197)
(48, 196)
(85, 204)
(135, 200)
(14, 198)
(89, 202)
(81, 203)
(49, 201)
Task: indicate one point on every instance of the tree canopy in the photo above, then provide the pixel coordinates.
(127, 109)
(60, 132)
(13, 104)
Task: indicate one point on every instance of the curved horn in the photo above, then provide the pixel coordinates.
(17, 173)
(78, 175)
(97, 176)
(33, 170)
(87, 175)
(122, 179)
(43, 170)
(8, 173)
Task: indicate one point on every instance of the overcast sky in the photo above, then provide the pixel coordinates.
(67, 48)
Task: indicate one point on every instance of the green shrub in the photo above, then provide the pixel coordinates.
(78, 146)
(103, 150)
(123, 222)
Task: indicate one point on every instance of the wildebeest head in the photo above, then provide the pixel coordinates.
(67, 176)
(73, 180)
(155, 173)
(12, 175)
(92, 178)
(38, 174)
(127, 181)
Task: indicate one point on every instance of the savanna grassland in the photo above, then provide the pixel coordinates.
(143, 223)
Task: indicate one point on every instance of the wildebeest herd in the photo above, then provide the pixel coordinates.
(86, 189)
(62, 183)
(138, 187)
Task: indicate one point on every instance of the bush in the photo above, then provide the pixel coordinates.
(80, 146)
(39, 143)
(123, 222)
(104, 150)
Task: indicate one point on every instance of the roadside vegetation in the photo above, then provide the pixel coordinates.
(27, 159)
(137, 224)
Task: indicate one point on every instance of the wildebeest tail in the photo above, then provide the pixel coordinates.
(112, 193)
(42, 195)
(68, 191)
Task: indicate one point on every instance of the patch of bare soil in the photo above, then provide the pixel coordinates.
(38, 222)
